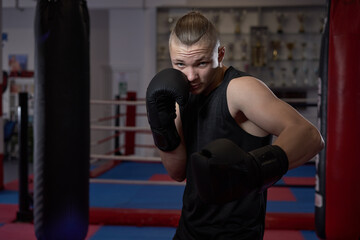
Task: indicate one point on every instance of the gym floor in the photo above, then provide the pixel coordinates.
(132, 200)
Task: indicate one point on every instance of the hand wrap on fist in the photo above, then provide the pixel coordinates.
(223, 172)
(165, 88)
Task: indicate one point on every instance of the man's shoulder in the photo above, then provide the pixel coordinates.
(244, 81)
(246, 89)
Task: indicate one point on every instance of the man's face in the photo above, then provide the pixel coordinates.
(198, 63)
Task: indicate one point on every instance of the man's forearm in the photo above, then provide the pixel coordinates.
(301, 143)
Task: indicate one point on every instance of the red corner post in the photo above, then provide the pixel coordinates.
(130, 122)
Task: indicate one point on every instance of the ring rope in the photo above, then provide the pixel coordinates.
(114, 151)
(132, 158)
(105, 139)
(126, 158)
(125, 102)
(300, 100)
(174, 183)
(144, 145)
(123, 129)
(137, 182)
(102, 119)
(117, 102)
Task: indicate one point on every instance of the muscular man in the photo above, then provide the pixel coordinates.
(220, 137)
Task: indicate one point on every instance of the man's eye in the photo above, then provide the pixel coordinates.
(202, 64)
(180, 64)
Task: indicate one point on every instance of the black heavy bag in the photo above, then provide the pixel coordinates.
(62, 130)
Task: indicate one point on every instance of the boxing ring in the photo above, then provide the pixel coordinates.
(129, 145)
(125, 153)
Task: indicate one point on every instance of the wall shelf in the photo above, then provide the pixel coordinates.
(279, 45)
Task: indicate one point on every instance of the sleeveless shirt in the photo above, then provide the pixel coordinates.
(204, 119)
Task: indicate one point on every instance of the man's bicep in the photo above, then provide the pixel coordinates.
(274, 115)
(267, 111)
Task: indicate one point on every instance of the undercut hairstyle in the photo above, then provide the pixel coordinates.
(194, 28)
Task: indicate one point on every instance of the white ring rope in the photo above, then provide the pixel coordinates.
(117, 102)
(124, 129)
(95, 157)
(137, 182)
(126, 158)
(125, 102)
(300, 100)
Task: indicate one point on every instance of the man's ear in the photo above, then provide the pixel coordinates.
(221, 53)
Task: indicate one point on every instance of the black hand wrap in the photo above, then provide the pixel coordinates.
(165, 88)
(223, 172)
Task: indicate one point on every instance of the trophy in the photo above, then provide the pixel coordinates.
(315, 51)
(275, 46)
(306, 77)
(239, 19)
(294, 72)
(301, 18)
(258, 49)
(290, 46)
(303, 49)
(280, 18)
(283, 77)
(258, 55)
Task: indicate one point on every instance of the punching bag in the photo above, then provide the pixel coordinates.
(61, 128)
(342, 191)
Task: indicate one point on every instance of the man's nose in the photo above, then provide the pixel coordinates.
(191, 74)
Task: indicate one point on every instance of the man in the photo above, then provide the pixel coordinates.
(221, 139)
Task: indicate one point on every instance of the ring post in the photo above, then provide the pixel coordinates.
(130, 122)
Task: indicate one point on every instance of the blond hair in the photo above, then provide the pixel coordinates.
(194, 28)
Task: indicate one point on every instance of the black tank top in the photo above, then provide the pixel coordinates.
(204, 119)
